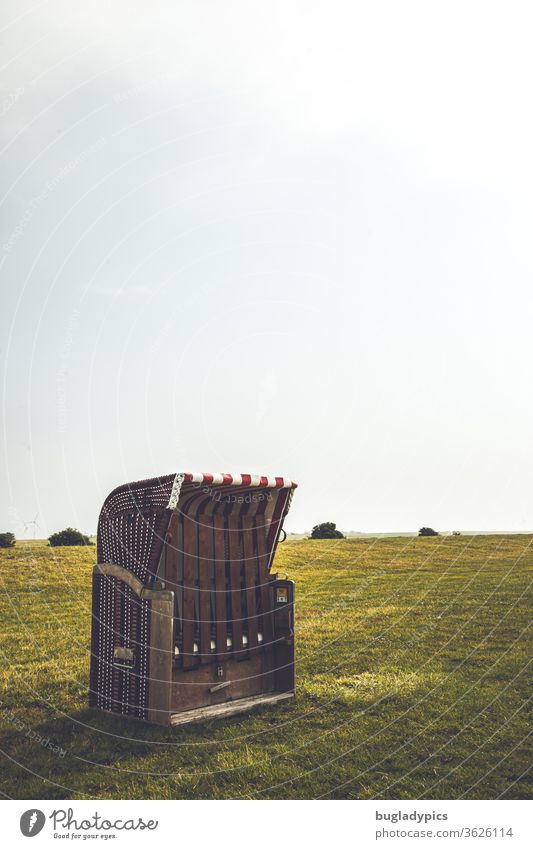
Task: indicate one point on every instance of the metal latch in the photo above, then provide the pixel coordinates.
(123, 656)
(282, 595)
(218, 687)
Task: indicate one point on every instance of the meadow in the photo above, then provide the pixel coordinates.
(413, 676)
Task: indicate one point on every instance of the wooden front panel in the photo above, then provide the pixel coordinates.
(192, 689)
(161, 656)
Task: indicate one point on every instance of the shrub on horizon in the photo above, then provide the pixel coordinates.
(427, 532)
(69, 536)
(7, 540)
(326, 530)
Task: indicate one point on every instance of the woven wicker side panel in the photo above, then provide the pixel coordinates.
(120, 620)
(132, 526)
(131, 531)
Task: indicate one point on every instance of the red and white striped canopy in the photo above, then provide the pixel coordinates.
(201, 480)
(220, 479)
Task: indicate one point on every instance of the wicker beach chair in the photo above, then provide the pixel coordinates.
(188, 620)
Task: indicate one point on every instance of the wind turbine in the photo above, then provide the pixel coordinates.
(33, 523)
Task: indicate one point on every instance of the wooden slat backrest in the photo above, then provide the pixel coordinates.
(217, 564)
(235, 556)
(263, 556)
(190, 568)
(251, 575)
(206, 576)
(220, 586)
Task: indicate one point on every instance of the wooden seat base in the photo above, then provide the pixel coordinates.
(227, 708)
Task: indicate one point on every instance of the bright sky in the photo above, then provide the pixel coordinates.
(286, 237)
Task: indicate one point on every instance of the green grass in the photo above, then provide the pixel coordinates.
(412, 674)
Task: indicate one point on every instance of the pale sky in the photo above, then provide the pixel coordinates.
(290, 238)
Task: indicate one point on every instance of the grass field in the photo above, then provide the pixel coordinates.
(412, 668)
